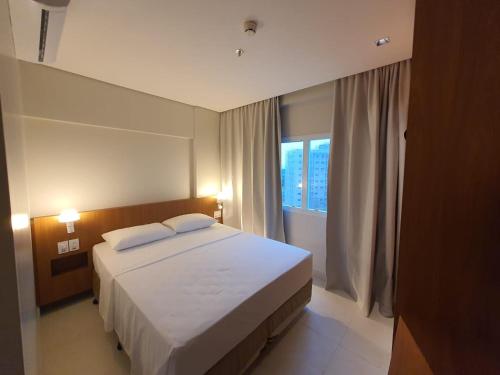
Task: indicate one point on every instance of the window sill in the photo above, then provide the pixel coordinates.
(304, 211)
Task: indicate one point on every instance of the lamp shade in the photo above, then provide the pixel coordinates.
(68, 215)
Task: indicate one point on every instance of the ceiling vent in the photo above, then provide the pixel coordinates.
(52, 15)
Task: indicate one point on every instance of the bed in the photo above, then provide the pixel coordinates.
(205, 301)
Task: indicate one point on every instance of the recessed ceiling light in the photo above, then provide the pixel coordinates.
(239, 52)
(382, 41)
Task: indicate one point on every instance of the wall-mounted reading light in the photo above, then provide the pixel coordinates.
(220, 199)
(19, 221)
(69, 216)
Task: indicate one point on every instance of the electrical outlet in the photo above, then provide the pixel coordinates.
(217, 214)
(74, 244)
(62, 247)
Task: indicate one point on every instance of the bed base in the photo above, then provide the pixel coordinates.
(241, 357)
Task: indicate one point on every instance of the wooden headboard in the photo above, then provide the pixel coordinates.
(65, 275)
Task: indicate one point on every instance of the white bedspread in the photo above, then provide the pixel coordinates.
(180, 304)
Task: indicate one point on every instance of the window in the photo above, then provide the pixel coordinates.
(304, 173)
(319, 150)
(292, 154)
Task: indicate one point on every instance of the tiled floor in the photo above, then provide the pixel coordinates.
(329, 338)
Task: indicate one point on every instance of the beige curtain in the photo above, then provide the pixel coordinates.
(250, 139)
(365, 181)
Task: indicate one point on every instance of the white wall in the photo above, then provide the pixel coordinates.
(54, 94)
(92, 167)
(18, 311)
(206, 152)
(94, 145)
(308, 112)
(308, 231)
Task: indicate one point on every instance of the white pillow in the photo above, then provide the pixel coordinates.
(134, 236)
(189, 222)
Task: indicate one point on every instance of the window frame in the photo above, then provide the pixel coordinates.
(306, 139)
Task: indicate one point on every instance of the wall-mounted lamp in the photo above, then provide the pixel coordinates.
(220, 199)
(20, 221)
(69, 216)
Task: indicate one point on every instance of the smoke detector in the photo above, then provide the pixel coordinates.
(250, 27)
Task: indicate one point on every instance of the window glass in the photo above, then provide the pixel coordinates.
(292, 154)
(319, 150)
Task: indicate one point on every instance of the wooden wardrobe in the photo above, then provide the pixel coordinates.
(448, 289)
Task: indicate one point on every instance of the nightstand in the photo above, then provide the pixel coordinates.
(59, 276)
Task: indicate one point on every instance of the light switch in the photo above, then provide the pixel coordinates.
(70, 227)
(74, 244)
(62, 247)
(217, 214)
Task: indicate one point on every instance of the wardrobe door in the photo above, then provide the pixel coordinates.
(11, 357)
(448, 290)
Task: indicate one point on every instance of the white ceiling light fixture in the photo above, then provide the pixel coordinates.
(382, 41)
(239, 52)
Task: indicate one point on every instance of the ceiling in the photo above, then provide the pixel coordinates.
(185, 50)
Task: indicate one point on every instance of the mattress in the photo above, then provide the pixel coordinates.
(180, 304)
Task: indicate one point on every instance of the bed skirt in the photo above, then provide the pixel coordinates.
(242, 355)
